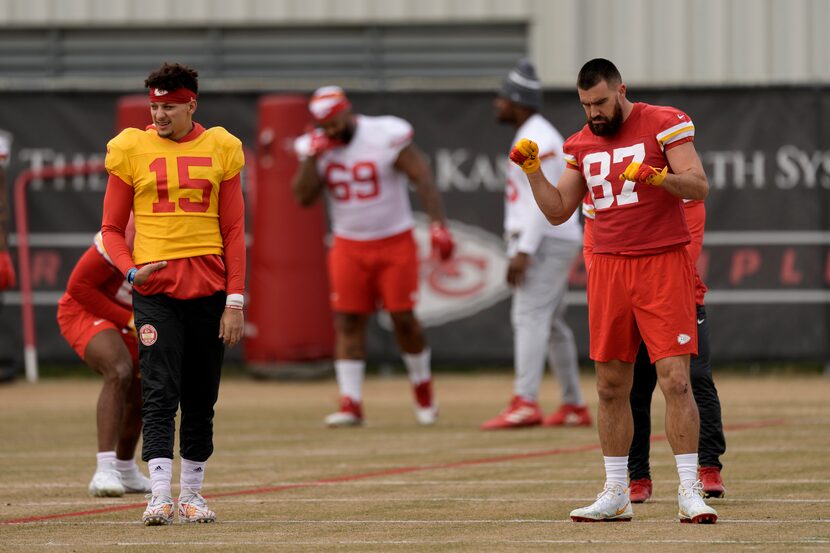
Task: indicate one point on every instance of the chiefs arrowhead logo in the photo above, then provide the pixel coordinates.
(470, 282)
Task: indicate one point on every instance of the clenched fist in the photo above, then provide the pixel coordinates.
(525, 154)
(637, 172)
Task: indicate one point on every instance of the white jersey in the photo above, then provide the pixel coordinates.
(522, 215)
(368, 197)
(5, 148)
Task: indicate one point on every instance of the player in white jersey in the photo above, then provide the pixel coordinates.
(365, 165)
(541, 256)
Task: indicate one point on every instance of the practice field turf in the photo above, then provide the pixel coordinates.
(280, 481)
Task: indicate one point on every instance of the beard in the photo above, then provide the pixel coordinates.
(603, 126)
(345, 136)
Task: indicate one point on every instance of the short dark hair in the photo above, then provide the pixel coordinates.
(596, 70)
(171, 76)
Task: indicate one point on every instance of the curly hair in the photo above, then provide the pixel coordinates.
(171, 76)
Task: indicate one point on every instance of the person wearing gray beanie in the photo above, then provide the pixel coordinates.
(540, 256)
(522, 86)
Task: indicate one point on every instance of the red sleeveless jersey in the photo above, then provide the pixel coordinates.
(632, 217)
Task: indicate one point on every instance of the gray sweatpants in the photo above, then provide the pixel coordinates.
(538, 318)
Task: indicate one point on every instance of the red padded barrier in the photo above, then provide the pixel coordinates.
(288, 310)
(132, 111)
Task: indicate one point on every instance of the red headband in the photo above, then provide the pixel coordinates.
(178, 96)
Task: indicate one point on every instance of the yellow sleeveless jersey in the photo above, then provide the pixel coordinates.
(176, 189)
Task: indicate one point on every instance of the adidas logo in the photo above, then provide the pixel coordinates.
(158, 468)
(198, 469)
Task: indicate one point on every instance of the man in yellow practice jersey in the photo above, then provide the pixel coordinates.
(188, 274)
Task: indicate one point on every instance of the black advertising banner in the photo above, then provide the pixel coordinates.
(766, 256)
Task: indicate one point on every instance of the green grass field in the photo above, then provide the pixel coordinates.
(280, 481)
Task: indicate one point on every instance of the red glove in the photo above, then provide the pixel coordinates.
(320, 142)
(7, 277)
(442, 242)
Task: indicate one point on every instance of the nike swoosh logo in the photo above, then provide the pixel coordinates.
(700, 321)
(679, 116)
(620, 511)
(99, 321)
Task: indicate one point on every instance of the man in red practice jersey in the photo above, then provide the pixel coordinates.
(711, 442)
(96, 318)
(638, 162)
(188, 273)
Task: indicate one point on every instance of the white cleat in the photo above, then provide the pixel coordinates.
(193, 508)
(691, 507)
(340, 418)
(106, 483)
(159, 511)
(612, 505)
(135, 482)
(427, 416)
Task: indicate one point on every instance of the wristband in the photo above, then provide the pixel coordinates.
(235, 301)
(131, 275)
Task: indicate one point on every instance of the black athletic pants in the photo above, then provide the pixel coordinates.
(711, 444)
(180, 356)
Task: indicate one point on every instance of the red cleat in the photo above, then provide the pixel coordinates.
(426, 408)
(712, 482)
(569, 415)
(349, 414)
(640, 490)
(519, 413)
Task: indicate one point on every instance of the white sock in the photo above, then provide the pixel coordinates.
(350, 377)
(125, 466)
(106, 459)
(418, 366)
(161, 475)
(192, 477)
(616, 471)
(687, 468)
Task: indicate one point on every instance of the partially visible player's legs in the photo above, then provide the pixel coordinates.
(530, 315)
(118, 428)
(642, 390)
(417, 358)
(397, 287)
(201, 374)
(349, 367)
(614, 341)
(132, 478)
(682, 431)
(562, 358)
(159, 320)
(615, 431)
(556, 257)
(682, 420)
(712, 443)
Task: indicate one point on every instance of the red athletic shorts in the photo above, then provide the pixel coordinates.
(647, 298)
(370, 274)
(78, 326)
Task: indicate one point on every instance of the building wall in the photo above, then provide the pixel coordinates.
(654, 42)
